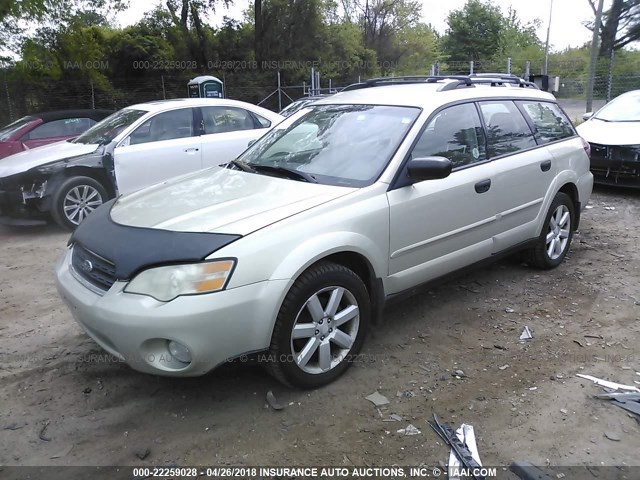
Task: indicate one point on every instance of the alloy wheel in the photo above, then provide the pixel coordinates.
(325, 329)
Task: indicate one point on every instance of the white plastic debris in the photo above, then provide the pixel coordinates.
(526, 334)
(608, 384)
(409, 430)
(467, 436)
(377, 399)
(589, 207)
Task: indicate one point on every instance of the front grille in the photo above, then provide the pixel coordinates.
(93, 268)
(616, 153)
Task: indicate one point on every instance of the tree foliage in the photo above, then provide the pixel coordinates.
(481, 31)
(620, 25)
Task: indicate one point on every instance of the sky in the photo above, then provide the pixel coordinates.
(567, 29)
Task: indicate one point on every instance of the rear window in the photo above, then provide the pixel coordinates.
(550, 122)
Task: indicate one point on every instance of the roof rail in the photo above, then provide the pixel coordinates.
(491, 79)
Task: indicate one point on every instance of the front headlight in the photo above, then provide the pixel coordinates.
(167, 283)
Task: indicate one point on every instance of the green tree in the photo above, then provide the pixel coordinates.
(620, 25)
(474, 32)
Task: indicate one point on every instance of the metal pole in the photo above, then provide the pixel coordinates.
(164, 93)
(93, 96)
(527, 70)
(6, 89)
(594, 56)
(545, 68)
(329, 85)
(471, 67)
(509, 66)
(279, 93)
(313, 80)
(318, 82)
(610, 80)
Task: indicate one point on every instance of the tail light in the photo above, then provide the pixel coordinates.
(586, 146)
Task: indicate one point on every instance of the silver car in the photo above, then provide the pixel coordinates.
(292, 250)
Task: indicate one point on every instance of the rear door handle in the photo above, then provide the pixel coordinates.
(483, 186)
(545, 166)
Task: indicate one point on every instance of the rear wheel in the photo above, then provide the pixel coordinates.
(320, 327)
(554, 241)
(76, 198)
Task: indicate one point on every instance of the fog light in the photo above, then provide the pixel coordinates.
(179, 352)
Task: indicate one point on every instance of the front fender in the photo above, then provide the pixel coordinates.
(322, 246)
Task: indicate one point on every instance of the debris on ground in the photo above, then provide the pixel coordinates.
(64, 452)
(461, 450)
(273, 403)
(503, 367)
(526, 334)
(526, 471)
(393, 418)
(629, 401)
(467, 436)
(377, 399)
(142, 454)
(43, 430)
(409, 430)
(613, 436)
(608, 384)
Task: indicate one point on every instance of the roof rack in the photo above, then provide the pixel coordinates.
(491, 79)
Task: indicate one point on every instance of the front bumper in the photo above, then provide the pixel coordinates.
(214, 327)
(14, 209)
(616, 165)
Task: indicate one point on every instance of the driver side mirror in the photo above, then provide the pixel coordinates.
(428, 168)
(587, 115)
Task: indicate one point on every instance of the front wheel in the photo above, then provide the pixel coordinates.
(320, 327)
(76, 198)
(554, 241)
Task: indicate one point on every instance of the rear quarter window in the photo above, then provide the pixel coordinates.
(551, 124)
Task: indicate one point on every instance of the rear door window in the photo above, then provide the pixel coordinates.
(227, 119)
(507, 130)
(550, 122)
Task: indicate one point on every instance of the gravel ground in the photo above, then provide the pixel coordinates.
(523, 399)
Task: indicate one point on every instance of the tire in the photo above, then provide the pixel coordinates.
(554, 240)
(71, 193)
(331, 349)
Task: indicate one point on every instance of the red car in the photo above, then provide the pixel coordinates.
(42, 128)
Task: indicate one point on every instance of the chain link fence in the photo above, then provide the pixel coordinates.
(18, 97)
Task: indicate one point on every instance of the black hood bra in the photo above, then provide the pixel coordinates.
(133, 249)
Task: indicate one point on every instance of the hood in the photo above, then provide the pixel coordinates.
(221, 200)
(610, 133)
(23, 161)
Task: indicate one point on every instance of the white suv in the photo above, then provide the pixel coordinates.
(294, 248)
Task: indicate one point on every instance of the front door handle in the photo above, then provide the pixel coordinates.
(545, 166)
(483, 186)
(191, 150)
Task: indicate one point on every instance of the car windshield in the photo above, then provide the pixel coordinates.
(625, 108)
(105, 131)
(345, 145)
(7, 131)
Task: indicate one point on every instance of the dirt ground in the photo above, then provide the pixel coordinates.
(523, 399)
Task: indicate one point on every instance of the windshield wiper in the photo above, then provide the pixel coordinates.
(239, 164)
(286, 172)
